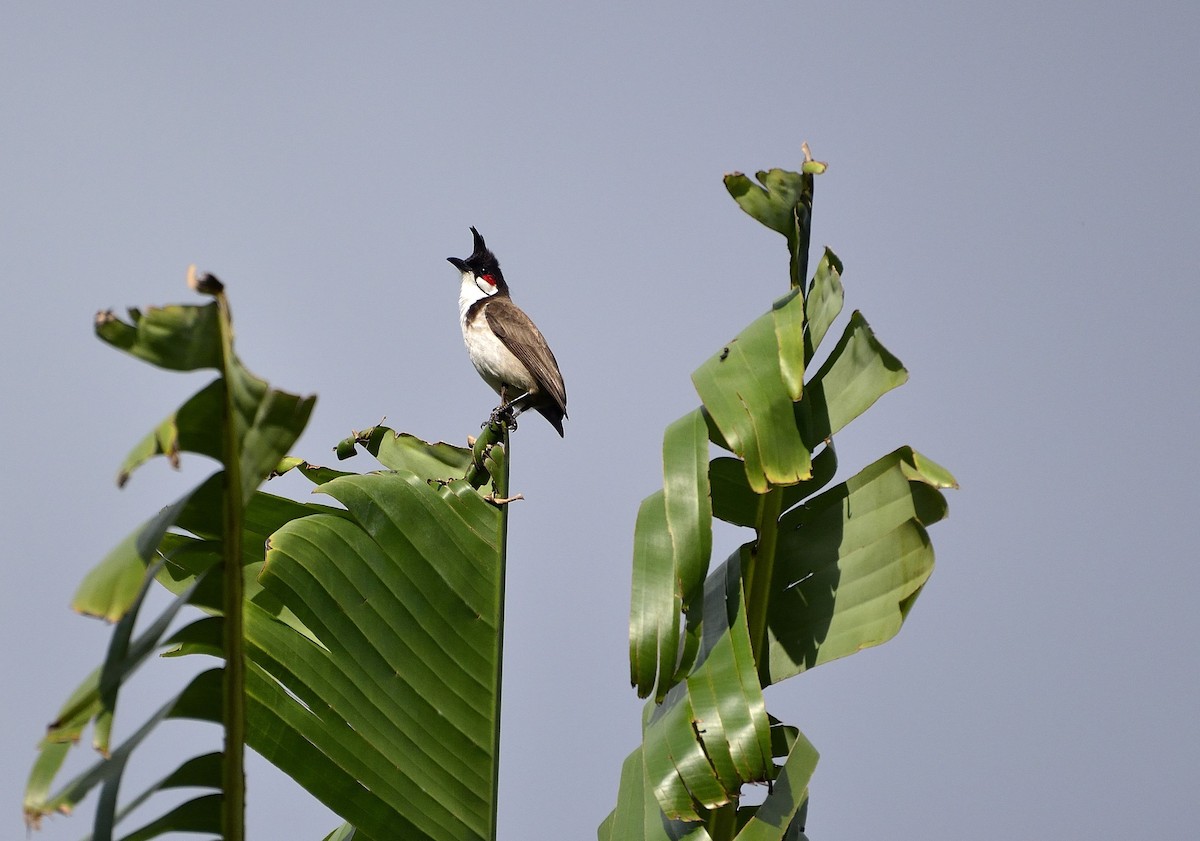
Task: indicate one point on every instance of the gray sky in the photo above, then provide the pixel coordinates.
(1012, 190)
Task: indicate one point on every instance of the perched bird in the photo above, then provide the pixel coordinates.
(505, 346)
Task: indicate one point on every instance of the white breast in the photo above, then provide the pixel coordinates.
(494, 362)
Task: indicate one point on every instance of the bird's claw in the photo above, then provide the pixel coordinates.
(502, 414)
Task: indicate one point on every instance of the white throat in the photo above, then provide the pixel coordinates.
(468, 293)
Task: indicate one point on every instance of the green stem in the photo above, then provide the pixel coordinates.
(493, 434)
(759, 573)
(761, 568)
(500, 489)
(233, 712)
(722, 822)
(798, 264)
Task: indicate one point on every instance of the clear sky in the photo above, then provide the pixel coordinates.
(1012, 189)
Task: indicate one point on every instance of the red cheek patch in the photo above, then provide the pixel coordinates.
(491, 281)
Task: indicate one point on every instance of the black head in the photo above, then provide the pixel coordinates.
(482, 263)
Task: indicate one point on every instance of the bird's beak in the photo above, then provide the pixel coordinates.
(458, 263)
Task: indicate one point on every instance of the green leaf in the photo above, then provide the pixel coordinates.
(711, 733)
(788, 313)
(774, 203)
(784, 204)
(268, 422)
(824, 300)
(248, 427)
(858, 372)
(265, 421)
(824, 576)
(851, 561)
(202, 814)
(111, 587)
(400, 697)
(686, 498)
(188, 429)
(197, 700)
(708, 738)
(178, 337)
(290, 737)
(198, 772)
(743, 390)
(345, 832)
(124, 657)
(672, 548)
(734, 501)
(315, 473)
(637, 816)
(775, 818)
(655, 605)
(401, 451)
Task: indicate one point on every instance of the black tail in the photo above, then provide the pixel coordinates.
(555, 415)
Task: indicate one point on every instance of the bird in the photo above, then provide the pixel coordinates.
(504, 344)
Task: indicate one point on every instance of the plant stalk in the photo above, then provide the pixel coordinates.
(722, 822)
(233, 703)
(759, 573)
(500, 489)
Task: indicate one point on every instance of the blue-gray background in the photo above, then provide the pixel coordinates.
(1012, 187)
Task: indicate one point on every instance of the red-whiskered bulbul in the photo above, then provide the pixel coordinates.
(505, 346)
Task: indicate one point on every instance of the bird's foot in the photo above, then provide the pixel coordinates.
(503, 415)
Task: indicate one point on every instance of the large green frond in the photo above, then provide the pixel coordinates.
(398, 686)
(247, 427)
(830, 569)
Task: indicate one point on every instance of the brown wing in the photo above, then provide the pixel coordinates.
(521, 336)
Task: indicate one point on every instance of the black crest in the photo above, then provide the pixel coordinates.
(482, 261)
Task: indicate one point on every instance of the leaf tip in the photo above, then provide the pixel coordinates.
(206, 283)
(110, 617)
(811, 167)
(924, 469)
